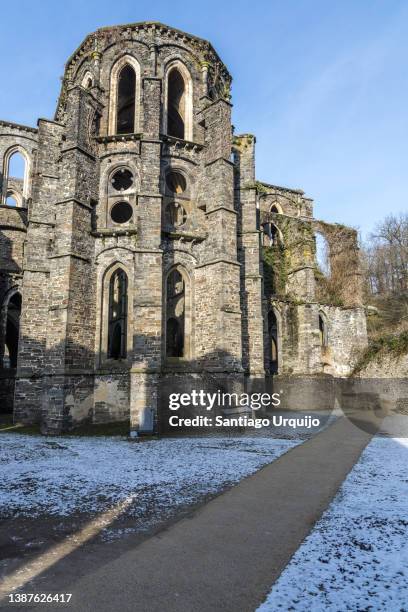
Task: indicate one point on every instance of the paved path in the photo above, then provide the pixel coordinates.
(224, 556)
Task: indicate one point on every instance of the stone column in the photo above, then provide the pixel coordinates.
(253, 324)
(68, 392)
(218, 276)
(36, 279)
(145, 371)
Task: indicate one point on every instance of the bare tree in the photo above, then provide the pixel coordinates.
(386, 256)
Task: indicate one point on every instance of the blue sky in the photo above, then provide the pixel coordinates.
(322, 84)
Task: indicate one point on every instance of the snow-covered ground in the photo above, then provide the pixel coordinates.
(356, 558)
(62, 476)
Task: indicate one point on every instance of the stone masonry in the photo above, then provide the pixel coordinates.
(138, 251)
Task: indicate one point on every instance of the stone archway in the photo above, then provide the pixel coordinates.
(10, 331)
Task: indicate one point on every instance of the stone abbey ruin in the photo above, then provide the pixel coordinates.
(138, 248)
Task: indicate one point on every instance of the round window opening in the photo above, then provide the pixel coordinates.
(121, 212)
(122, 180)
(176, 182)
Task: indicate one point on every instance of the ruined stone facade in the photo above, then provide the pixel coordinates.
(138, 248)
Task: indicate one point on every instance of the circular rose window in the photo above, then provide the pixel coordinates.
(176, 183)
(122, 180)
(121, 212)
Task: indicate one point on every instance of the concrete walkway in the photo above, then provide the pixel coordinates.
(225, 555)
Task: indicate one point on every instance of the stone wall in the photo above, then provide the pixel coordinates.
(62, 248)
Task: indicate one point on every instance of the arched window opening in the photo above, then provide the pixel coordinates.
(117, 327)
(16, 166)
(126, 100)
(176, 104)
(87, 80)
(11, 200)
(272, 235)
(176, 214)
(322, 331)
(275, 208)
(12, 331)
(273, 343)
(16, 171)
(175, 315)
(175, 182)
(322, 254)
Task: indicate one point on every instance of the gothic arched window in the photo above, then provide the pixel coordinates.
(87, 80)
(272, 236)
(176, 104)
(176, 214)
(322, 330)
(322, 254)
(16, 177)
(126, 101)
(11, 199)
(124, 96)
(175, 315)
(273, 342)
(117, 325)
(11, 330)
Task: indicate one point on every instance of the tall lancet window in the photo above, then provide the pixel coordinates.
(13, 313)
(273, 346)
(176, 104)
(175, 315)
(117, 332)
(15, 178)
(126, 101)
(322, 330)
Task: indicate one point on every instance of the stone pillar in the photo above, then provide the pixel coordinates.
(96, 56)
(68, 390)
(145, 371)
(299, 246)
(204, 77)
(217, 277)
(246, 195)
(36, 280)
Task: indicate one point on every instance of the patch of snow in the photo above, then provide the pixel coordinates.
(356, 557)
(55, 476)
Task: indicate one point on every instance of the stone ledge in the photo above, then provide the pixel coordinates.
(219, 260)
(118, 137)
(70, 254)
(105, 232)
(18, 126)
(181, 234)
(180, 143)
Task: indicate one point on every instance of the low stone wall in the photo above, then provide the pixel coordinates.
(7, 382)
(385, 366)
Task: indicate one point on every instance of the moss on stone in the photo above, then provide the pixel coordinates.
(275, 270)
(393, 344)
(260, 187)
